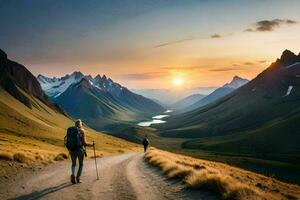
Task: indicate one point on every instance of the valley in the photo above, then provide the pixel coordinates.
(32, 129)
(150, 100)
(217, 129)
(261, 134)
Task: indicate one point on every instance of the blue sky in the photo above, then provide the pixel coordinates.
(159, 39)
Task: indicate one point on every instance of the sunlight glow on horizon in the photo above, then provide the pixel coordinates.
(178, 81)
(150, 45)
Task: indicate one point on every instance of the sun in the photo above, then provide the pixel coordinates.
(178, 81)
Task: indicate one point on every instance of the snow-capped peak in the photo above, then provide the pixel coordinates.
(53, 87)
(236, 82)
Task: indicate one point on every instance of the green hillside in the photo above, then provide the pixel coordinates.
(254, 127)
(32, 126)
(252, 106)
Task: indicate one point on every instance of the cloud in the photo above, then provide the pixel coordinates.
(215, 36)
(185, 68)
(175, 42)
(248, 63)
(262, 61)
(270, 25)
(143, 76)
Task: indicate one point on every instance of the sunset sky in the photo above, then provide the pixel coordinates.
(150, 44)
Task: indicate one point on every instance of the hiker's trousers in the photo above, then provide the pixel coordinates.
(79, 153)
(145, 148)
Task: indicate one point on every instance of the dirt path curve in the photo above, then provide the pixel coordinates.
(123, 177)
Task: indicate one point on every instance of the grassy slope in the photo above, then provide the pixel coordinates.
(39, 132)
(227, 181)
(251, 106)
(276, 146)
(255, 127)
(273, 153)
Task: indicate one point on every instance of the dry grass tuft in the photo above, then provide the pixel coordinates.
(6, 156)
(61, 156)
(214, 182)
(226, 181)
(21, 158)
(223, 185)
(39, 157)
(179, 172)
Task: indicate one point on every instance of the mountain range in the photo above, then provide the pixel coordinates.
(102, 103)
(32, 128)
(169, 97)
(258, 122)
(273, 94)
(216, 94)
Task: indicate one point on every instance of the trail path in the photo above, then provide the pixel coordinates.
(123, 177)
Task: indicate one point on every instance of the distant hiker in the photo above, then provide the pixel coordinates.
(146, 143)
(76, 142)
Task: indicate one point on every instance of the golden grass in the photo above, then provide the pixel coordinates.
(38, 133)
(21, 158)
(5, 156)
(226, 181)
(61, 156)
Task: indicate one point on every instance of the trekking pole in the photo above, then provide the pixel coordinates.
(95, 160)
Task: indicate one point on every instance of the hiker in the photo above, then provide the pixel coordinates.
(76, 143)
(146, 143)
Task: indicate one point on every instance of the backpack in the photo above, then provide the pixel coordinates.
(72, 139)
(146, 142)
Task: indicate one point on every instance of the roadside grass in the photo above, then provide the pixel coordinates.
(61, 156)
(21, 158)
(37, 135)
(227, 181)
(5, 156)
(282, 166)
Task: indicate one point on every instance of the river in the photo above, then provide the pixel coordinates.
(157, 119)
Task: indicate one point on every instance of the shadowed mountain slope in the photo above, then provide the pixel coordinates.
(273, 94)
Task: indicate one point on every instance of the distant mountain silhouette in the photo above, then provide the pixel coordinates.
(218, 93)
(187, 102)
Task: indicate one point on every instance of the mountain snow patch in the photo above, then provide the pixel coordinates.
(54, 87)
(292, 65)
(288, 91)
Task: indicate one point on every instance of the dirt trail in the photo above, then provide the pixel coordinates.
(124, 177)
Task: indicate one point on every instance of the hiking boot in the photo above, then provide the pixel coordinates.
(78, 180)
(73, 179)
